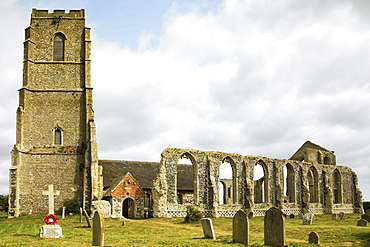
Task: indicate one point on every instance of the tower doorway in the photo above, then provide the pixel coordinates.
(128, 208)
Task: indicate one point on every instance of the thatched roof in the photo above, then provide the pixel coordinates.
(143, 172)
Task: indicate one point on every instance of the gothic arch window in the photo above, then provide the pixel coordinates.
(337, 186)
(58, 136)
(326, 160)
(313, 185)
(228, 172)
(289, 183)
(184, 163)
(58, 46)
(260, 180)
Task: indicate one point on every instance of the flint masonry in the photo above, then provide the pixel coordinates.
(55, 130)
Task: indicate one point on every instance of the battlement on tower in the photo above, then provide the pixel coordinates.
(79, 14)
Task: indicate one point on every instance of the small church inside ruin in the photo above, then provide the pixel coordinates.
(56, 145)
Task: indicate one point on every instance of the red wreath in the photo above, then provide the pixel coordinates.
(51, 219)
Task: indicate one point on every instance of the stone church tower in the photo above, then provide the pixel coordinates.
(55, 130)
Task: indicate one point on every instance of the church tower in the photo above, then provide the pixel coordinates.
(55, 129)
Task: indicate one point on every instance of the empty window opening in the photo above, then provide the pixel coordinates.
(186, 176)
(337, 187)
(313, 185)
(260, 183)
(289, 183)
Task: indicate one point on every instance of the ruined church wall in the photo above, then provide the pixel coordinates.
(312, 187)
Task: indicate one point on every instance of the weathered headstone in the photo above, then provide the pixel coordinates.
(307, 219)
(250, 215)
(342, 216)
(80, 215)
(87, 218)
(274, 228)
(51, 231)
(362, 222)
(51, 193)
(334, 216)
(313, 238)
(102, 206)
(98, 230)
(63, 212)
(241, 228)
(366, 217)
(208, 230)
(292, 216)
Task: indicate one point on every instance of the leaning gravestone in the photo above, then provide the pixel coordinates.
(274, 228)
(250, 215)
(102, 206)
(313, 238)
(307, 219)
(98, 230)
(241, 228)
(87, 218)
(366, 217)
(208, 230)
(362, 222)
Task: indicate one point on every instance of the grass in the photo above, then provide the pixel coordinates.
(24, 231)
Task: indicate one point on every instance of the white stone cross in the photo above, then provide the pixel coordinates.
(51, 193)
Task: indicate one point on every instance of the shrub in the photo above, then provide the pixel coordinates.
(72, 205)
(192, 215)
(4, 203)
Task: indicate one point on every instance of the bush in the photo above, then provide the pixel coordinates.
(192, 215)
(4, 203)
(72, 205)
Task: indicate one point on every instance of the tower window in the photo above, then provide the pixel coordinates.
(57, 137)
(59, 47)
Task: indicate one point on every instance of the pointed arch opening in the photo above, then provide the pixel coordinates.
(313, 185)
(260, 182)
(289, 178)
(58, 46)
(228, 185)
(58, 136)
(186, 179)
(337, 187)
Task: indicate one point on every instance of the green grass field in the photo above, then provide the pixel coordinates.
(24, 231)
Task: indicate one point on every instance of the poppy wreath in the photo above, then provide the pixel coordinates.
(51, 219)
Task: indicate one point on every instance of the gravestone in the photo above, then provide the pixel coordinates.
(51, 193)
(313, 238)
(366, 217)
(307, 219)
(342, 215)
(87, 218)
(103, 207)
(241, 228)
(334, 216)
(274, 228)
(291, 216)
(98, 230)
(208, 228)
(362, 222)
(80, 215)
(63, 212)
(250, 215)
(51, 231)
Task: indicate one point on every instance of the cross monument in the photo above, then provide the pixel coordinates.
(51, 193)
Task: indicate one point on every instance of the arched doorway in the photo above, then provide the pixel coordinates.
(128, 208)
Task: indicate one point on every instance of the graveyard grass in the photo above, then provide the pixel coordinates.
(24, 231)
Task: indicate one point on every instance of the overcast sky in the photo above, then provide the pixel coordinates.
(247, 77)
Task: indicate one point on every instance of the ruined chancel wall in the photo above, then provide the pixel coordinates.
(291, 185)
